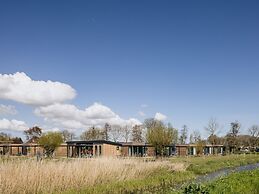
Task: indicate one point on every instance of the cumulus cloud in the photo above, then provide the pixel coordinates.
(21, 88)
(13, 125)
(7, 109)
(160, 117)
(71, 117)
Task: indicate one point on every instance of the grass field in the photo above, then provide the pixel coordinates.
(109, 175)
(237, 183)
(48, 176)
(207, 164)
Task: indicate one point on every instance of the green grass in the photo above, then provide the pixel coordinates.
(159, 182)
(204, 165)
(165, 181)
(237, 183)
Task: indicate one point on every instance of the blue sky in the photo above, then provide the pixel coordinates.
(189, 60)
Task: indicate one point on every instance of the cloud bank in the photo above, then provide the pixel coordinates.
(21, 88)
(13, 125)
(49, 99)
(71, 117)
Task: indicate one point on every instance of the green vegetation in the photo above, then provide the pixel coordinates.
(50, 141)
(195, 189)
(116, 175)
(166, 181)
(237, 183)
(161, 181)
(159, 135)
(203, 165)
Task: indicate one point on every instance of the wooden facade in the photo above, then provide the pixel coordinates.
(93, 148)
(30, 149)
(108, 148)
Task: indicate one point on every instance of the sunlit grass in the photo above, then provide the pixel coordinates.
(207, 164)
(48, 176)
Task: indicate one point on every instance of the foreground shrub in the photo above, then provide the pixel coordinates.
(194, 188)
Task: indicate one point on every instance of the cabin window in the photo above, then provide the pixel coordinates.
(100, 150)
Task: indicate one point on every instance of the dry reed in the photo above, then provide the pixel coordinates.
(29, 176)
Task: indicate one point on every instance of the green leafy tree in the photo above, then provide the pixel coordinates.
(159, 135)
(50, 141)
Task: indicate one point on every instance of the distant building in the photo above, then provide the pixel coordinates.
(95, 148)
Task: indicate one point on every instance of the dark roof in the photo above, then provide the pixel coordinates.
(134, 144)
(140, 144)
(93, 142)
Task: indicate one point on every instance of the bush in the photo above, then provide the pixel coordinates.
(194, 188)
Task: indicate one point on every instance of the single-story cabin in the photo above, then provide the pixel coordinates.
(28, 149)
(93, 148)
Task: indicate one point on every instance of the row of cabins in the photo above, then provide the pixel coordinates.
(81, 149)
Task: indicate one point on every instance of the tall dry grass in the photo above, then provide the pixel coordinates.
(30, 176)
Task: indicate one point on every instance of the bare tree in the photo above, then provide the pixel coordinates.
(183, 135)
(136, 134)
(116, 132)
(126, 132)
(107, 129)
(212, 126)
(33, 134)
(231, 137)
(196, 136)
(93, 133)
(254, 133)
(67, 135)
(191, 139)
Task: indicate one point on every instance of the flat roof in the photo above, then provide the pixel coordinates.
(75, 142)
(134, 144)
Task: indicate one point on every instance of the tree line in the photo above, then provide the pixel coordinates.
(152, 131)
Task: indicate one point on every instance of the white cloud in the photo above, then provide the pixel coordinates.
(21, 88)
(13, 125)
(7, 109)
(141, 113)
(69, 116)
(159, 116)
